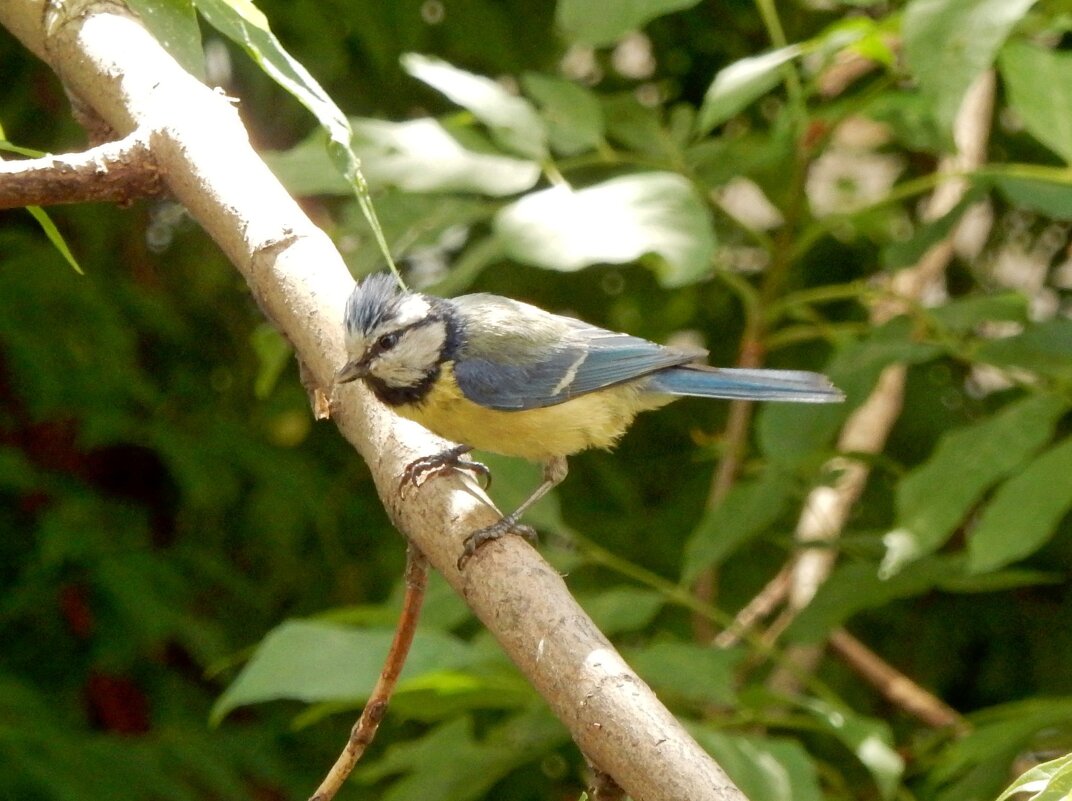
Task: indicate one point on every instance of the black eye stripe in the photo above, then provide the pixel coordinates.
(378, 348)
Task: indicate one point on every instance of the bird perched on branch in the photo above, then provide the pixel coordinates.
(492, 373)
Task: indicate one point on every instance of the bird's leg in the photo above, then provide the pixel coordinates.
(420, 470)
(554, 472)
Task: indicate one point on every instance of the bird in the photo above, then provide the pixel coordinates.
(496, 374)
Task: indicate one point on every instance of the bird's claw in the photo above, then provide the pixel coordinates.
(420, 470)
(507, 525)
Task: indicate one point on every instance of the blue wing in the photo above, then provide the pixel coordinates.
(520, 357)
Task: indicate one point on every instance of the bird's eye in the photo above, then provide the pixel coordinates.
(387, 341)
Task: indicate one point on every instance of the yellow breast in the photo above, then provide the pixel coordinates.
(595, 420)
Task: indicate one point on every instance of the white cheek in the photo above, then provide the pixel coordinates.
(408, 362)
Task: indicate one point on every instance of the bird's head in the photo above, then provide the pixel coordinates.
(395, 339)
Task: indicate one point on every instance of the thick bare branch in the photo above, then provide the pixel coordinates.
(115, 172)
(302, 284)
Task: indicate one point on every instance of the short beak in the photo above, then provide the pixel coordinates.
(351, 371)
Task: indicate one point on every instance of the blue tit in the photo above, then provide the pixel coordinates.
(495, 374)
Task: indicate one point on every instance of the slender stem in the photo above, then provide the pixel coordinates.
(365, 729)
(773, 23)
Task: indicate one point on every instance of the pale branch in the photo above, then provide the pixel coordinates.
(363, 732)
(760, 607)
(895, 686)
(114, 172)
(827, 509)
(299, 279)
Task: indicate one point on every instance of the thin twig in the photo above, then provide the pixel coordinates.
(113, 172)
(365, 729)
(895, 686)
(761, 606)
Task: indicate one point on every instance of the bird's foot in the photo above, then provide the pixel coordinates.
(507, 525)
(420, 470)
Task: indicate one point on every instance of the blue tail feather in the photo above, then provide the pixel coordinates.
(744, 384)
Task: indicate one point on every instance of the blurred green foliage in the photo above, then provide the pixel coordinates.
(181, 543)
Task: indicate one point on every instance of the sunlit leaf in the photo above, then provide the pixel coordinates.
(512, 121)
(415, 156)
(738, 85)
(1024, 512)
(615, 222)
(604, 23)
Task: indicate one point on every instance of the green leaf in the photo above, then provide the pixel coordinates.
(964, 314)
(1024, 512)
(599, 24)
(416, 156)
(614, 222)
(273, 353)
(749, 509)
(450, 763)
(948, 43)
(693, 673)
(910, 251)
(1045, 197)
(735, 87)
(621, 609)
(423, 156)
(870, 740)
(1045, 349)
(244, 24)
(241, 22)
(638, 127)
(965, 464)
(1050, 781)
(173, 23)
(855, 587)
(1039, 85)
(573, 114)
(512, 121)
(999, 734)
(310, 661)
(767, 768)
(790, 433)
(54, 236)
